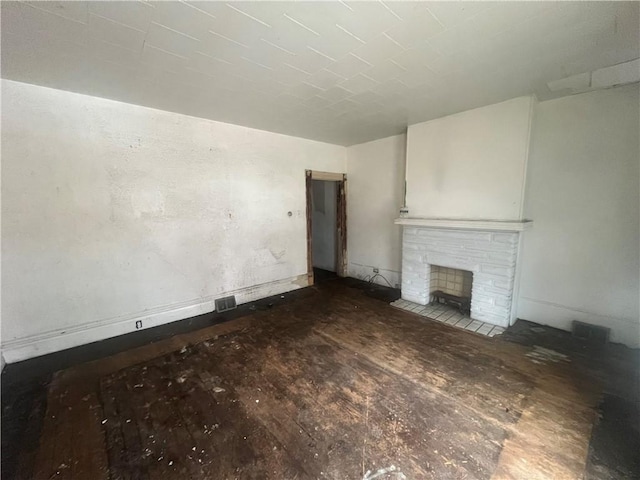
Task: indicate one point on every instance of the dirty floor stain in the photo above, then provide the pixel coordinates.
(333, 385)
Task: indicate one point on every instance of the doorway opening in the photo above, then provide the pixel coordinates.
(326, 225)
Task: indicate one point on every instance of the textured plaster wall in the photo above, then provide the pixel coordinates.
(375, 193)
(111, 210)
(581, 259)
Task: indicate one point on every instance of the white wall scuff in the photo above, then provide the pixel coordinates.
(113, 212)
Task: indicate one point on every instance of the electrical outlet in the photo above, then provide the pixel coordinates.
(376, 270)
(138, 324)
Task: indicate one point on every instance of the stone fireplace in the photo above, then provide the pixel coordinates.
(486, 249)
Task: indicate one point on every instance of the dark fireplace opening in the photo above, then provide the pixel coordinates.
(451, 286)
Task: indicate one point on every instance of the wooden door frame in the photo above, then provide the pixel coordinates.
(341, 220)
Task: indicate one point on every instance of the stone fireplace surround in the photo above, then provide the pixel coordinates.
(489, 249)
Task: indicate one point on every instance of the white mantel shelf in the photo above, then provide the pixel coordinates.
(486, 225)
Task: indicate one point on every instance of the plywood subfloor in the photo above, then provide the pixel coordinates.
(334, 385)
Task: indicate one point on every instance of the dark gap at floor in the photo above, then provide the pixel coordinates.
(321, 276)
(614, 449)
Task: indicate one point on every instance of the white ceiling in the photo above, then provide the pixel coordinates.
(340, 72)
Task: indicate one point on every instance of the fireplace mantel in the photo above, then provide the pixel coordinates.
(485, 225)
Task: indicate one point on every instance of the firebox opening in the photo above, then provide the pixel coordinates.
(451, 286)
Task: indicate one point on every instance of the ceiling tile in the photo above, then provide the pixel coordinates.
(317, 17)
(221, 48)
(161, 60)
(232, 82)
(335, 42)
(342, 106)
(192, 78)
(133, 14)
(309, 60)
(451, 14)
(172, 41)
(334, 71)
(487, 24)
(247, 68)
(304, 91)
(184, 18)
(369, 19)
(206, 64)
(334, 94)
(289, 75)
(384, 71)
(421, 54)
(39, 26)
(268, 54)
(349, 66)
(288, 101)
(12, 20)
(367, 101)
(238, 27)
(365, 98)
(75, 11)
(116, 33)
(270, 87)
(113, 53)
(213, 9)
(421, 75)
(407, 10)
(358, 84)
(391, 87)
(416, 30)
(379, 48)
(324, 79)
(317, 102)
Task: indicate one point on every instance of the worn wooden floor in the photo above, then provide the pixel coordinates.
(334, 385)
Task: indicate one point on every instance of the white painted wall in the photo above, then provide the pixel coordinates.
(375, 190)
(581, 258)
(113, 212)
(324, 224)
(471, 165)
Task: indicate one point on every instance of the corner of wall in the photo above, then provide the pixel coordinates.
(525, 167)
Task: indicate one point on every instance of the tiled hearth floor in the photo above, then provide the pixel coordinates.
(450, 316)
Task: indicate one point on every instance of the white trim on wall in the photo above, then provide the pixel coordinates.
(62, 339)
(561, 316)
(481, 225)
(328, 176)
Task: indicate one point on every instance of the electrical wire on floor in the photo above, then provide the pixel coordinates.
(381, 276)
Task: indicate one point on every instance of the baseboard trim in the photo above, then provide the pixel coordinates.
(62, 339)
(562, 317)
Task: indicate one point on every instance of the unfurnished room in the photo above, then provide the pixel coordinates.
(343, 240)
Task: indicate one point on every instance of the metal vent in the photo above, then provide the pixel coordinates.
(592, 333)
(226, 303)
